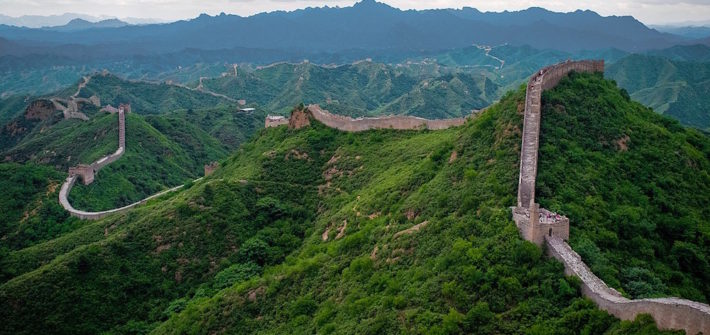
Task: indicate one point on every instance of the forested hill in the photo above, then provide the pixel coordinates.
(318, 231)
(168, 144)
(635, 186)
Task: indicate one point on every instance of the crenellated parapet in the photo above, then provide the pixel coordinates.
(541, 81)
(275, 121)
(399, 122)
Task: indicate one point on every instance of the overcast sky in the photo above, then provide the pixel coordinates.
(647, 11)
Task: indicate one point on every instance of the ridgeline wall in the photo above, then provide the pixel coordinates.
(349, 124)
(535, 224)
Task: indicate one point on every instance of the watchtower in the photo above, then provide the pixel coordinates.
(86, 172)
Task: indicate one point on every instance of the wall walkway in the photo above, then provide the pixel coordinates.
(349, 124)
(87, 172)
(535, 225)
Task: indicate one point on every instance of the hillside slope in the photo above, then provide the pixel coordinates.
(676, 88)
(362, 89)
(315, 230)
(635, 186)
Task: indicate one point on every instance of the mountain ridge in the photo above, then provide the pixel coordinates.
(386, 27)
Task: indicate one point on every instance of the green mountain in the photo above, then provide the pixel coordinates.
(319, 231)
(360, 89)
(31, 212)
(147, 98)
(676, 88)
(634, 185)
(163, 150)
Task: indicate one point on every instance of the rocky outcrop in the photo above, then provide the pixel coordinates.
(40, 110)
(299, 118)
(210, 168)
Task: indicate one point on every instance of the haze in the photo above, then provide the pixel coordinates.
(647, 11)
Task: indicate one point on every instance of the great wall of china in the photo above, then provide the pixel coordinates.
(348, 124)
(87, 173)
(535, 224)
(544, 228)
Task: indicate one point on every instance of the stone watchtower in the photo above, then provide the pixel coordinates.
(534, 222)
(85, 171)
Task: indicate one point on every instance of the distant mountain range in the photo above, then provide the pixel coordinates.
(42, 21)
(81, 24)
(368, 25)
(693, 32)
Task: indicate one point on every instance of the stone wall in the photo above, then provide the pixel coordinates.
(536, 226)
(349, 124)
(669, 313)
(69, 183)
(86, 172)
(543, 80)
(275, 121)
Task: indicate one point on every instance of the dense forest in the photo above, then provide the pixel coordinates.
(318, 231)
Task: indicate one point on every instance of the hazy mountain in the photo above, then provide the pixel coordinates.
(369, 25)
(691, 32)
(81, 24)
(39, 21)
(676, 88)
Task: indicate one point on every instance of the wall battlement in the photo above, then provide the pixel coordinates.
(669, 313)
(544, 228)
(399, 122)
(348, 124)
(86, 172)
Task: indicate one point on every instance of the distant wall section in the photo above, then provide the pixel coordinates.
(349, 124)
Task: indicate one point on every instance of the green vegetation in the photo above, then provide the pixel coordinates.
(362, 89)
(147, 98)
(635, 186)
(31, 212)
(165, 148)
(318, 231)
(676, 88)
(153, 161)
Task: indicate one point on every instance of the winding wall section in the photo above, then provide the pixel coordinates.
(536, 226)
(87, 172)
